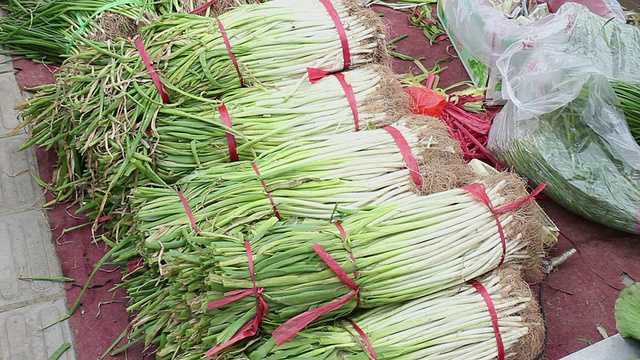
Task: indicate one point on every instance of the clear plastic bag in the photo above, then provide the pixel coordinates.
(486, 32)
(561, 125)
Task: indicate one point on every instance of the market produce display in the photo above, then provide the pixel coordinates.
(394, 252)
(103, 113)
(256, 172)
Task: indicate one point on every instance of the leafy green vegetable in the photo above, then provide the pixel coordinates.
(584, 172)
(627, 311)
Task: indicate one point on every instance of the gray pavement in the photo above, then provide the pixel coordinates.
(26, 248)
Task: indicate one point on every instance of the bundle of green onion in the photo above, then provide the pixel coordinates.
(49, 31)
(258, 119)
(318, 178)
(105, 96)
(452, 324)
(395, 252)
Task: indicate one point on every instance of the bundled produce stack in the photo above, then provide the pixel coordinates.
(49, 31)
(267, 177)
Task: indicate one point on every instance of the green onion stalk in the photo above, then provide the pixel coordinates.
(395, 252)
(628, 94)
(106, 90)
(49, 31)
(213, 9)
(585, 172)
(451, 324)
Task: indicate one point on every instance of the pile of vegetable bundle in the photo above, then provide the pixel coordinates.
(105, 98)
(312, 220)
(493, 315)
(318, 178)
(50, 31)
(397, 251)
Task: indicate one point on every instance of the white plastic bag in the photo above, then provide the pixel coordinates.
(481, 33)
(561, 124)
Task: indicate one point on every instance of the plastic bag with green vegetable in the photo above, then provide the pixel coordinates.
(562, 125)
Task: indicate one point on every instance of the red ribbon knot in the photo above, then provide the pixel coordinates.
(262, 308)
(479, 190)
(291, 327)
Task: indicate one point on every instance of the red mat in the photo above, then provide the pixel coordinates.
(575, 299)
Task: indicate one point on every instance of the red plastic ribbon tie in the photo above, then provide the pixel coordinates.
(262, 308)
(231, 139)
(227, 43)
(343, 232)
(264, 185)
(202, 7)
(405, 150)
(291, 327)
(316, 75)
(494, 315)
(189, 213)
(346, 55)
(479, 190)
(152, 72)
(351, 97)
(365, 338)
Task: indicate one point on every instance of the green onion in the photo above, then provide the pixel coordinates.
(98, 113)
(629, 96)
(453, 323)
(585, 172)
(402, 250)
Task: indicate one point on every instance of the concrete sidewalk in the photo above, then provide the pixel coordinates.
(26, 248)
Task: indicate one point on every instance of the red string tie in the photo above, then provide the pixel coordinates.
(479, 191)
(264, 185)
(346, 54)
(291, 327)
(189, 213)
(152, 72)
(203, 7)
(371, 351)
(343, 232)
(405, 150)
(227, 43)
(262, 308)
(317, 74)
(231, 139)
(494, 315)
